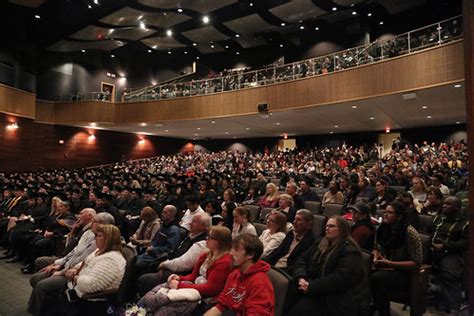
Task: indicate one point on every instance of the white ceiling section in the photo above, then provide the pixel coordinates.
(72, 46)
(203, 6)
(445, 105)
(98, 33)
(162, 43)
(205, 34)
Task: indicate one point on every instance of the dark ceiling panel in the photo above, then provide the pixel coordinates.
(163, 43)
(99, 33)
(298, 10)
(205, 34)
(74, 46)
(203, 6)
(248, 24)
(397, 6)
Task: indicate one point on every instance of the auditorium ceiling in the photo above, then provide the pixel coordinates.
(443, 105)
(198, 26)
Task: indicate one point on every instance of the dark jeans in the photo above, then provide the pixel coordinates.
(448, 271)
(387, 285)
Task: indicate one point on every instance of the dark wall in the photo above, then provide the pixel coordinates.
(35, 145)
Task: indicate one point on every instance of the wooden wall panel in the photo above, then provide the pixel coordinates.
(17, 102)
(84, 111)
(428, 68)
(45, 111)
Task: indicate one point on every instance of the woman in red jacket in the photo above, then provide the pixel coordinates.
(208, 277)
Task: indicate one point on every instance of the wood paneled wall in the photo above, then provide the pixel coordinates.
(36, 145)
(17, 101)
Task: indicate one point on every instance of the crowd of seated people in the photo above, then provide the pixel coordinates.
(188, 216)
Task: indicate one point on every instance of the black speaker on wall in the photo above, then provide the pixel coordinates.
(262, 108)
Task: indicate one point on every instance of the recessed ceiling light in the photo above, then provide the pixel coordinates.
(278, 123)
(369, 14)
(37, 16)
(89, 6)
(424, 107)
(251, 4)
(381, 22)
(143, 124)
(213, 122)
(149, 50)
(142, 25)
(196, 134)
(198, 128)
(458, 85)
(316, 28)
(169, 52)
(334, 9)
(372, 118)
(194, 44)
(301, 27)
(169, 32)
(281, 45)
(83, 50)
(112, 56)
(336, 126)
(428, 117)
(180, 10)
(227, 46)
(354, 12)
(248, 128)
(234, 137)
(185, 52)
(237, 53)
(227, 133)
(166, 131)
(197, 57)
(205, 19)
(282, 23)
(354, 106)
(331, 132)
(96, 1)
(212, 46)
(237, 35)
(458, 122)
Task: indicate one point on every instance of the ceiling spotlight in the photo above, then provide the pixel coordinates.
(227, 133)
(143, 124)
(282, 23)
(212, 46)
(336, 126)
(428, 117)
(112, 56)
(166, 131)
(458, 122)
(205, 19)
(331, 132)
(169, 32)
(372, 118)
(142, 25)
(354, 12)
(424, 107)
(180, 10)
(334, 8)
(457, 86)
(149, 50)
(213, 122)
(196, 134)
(197, 57)
(316, 28)
(185, 52)
(369, 14)
(248, 128)
(301, 27)
(37, 16)
(83, 50)
(237, 35)
(381, 22)
(89, 6)
(96, 1)
(354, 106)
(281, 45)
(278, 123)
(169, 52)
(237, 53)
(227, 46)
(194, 44)
(251, 4)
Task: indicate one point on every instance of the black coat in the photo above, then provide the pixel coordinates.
(306, 242)
(339, 284)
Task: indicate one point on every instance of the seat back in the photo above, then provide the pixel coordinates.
(398, 188)
(259, 227)
(425, 247)
(254, 211)
(314, 207)
(124, 293)
(426, 222)
(280, 281)
(276, 182)
(332, 209)
(319, 221)
(264, 213)
(367, 259)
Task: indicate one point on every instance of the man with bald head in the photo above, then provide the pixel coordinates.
(449, 242)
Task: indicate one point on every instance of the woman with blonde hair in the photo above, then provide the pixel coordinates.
(148, 228)
(270, 199)
(286, 205)
(272, 237)
(207, 279)
(55, 201)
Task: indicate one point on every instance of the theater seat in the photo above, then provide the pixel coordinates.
(264, 213)
(426, 222)
(318, 224)
(314, 207)
(254, 211)
(280, 281)
(259, 227)
(332, 209)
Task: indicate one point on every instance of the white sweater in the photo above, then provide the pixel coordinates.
(270, 241)
(100, 272)
(188, 260)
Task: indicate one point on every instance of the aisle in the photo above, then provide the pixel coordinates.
(15, 289)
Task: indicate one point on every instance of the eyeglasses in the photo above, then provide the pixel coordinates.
(211, 237)
(329, 226)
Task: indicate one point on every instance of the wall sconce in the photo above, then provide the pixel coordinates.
(12, 126)
(61, 141)
(91, 137)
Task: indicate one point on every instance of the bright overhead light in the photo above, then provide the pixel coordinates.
(331, 132)
(198, 128)
(37, 16)
(354, 12)
(428, 117)
(354, 106)
(142, 25)
(96, 1)
(372, 118)
(197, 57)
(185, 52)
(196, 134)
(83, 50)
(205, 19)
(424, 107)
(227, 133)
(143, 124)
(334, 9)
(112, 56)
(169, 32)
(194, 44)
(316, 28)
(213, 122)
(281, 45)
(237, 53)
(336, 126)
(369, 14)
(212, 46)
(381, 22)
(149, 50)
(248, 128)
(301, 27)
(282, 23)
(89, 6)
(180, 10)
(227, 46)
(251, 4)
(278, 123)
(237, 35)
(458, 122)
(458, 85)
(169, 52)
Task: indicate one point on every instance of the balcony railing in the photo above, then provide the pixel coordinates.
(87, 96)
(426, 37)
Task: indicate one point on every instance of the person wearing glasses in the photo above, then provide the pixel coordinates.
(208, 278)
(330, 278)
(397, 252)
(383, 197)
